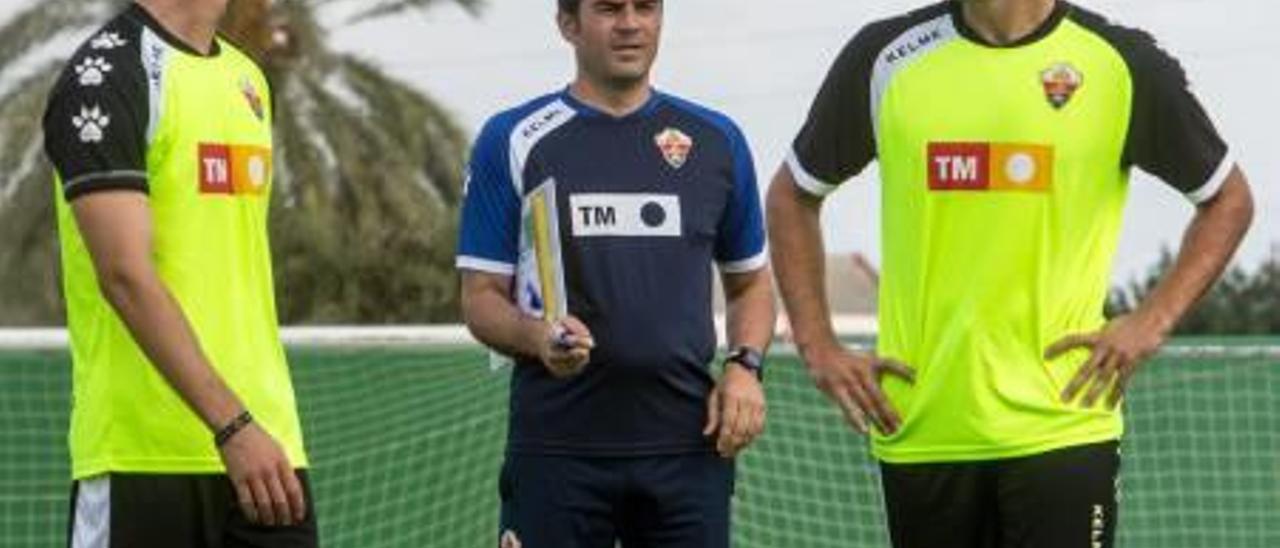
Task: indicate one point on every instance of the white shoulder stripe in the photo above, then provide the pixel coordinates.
(1211, 187)
(909, 46)
(155, 55)
(529, 131)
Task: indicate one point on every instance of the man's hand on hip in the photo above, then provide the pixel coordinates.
(852, 381)
(1115, 354)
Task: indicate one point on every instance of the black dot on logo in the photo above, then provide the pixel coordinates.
(653, 215)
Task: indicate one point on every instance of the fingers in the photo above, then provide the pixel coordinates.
(579, 335)
(279, 500)
(1118, 388)
(244, 496)
(713, 412)
(730, 430)
(568, 364)
(262, 502)
(852, 412)
(568, 349)
(1084, 375)
(1103, 379)
(874, 401)
(293, 490)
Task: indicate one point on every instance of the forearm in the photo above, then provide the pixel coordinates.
(795, 236)
(156, 322)
(1207, 247)
(496, 321)
(749, 309)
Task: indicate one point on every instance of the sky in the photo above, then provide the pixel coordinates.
(761, 61)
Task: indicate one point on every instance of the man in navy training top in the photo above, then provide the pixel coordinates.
(618, 430)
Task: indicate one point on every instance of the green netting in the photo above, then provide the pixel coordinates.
(406, 444)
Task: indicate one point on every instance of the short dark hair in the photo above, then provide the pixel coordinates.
(570, 6)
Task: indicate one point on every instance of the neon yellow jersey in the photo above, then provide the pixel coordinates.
(1005, 172)
(137, 110)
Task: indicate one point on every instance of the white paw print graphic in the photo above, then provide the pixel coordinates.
(91, 122)
(92, 71)
(107, 40)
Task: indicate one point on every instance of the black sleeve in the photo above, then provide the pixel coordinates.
(1170, 135)
(95, 125)
(838, 140)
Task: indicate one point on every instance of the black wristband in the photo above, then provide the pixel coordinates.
(749, 358)
(229, 431)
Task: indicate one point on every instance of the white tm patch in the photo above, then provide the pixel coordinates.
(632, 215)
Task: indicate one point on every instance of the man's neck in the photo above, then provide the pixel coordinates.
(616, 101)
(193, 22)
(1006, 21)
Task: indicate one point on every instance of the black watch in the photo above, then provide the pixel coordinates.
(749, 358)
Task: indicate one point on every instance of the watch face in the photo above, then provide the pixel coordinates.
(748, 358)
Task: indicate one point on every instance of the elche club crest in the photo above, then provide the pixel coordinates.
(1061, 81)
(251, 95)
(675, 146)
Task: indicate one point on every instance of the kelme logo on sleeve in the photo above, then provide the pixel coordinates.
(251, 96)
(990, 167)
(234, 169)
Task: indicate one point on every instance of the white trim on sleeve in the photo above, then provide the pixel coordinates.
(477, 264)
(749, 264)
(805, 180)
(1211, 187)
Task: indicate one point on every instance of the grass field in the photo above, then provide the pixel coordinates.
(406, 445)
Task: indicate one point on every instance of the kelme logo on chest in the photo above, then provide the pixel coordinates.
(234, 169)
(990, 167)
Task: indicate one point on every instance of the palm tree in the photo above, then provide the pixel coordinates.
(368, 168)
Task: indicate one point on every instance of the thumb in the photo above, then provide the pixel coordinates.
(713, 412)
(1070, 342)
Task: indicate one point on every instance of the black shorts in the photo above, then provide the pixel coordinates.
(677, 501)
(1060, 499)
(171, 510)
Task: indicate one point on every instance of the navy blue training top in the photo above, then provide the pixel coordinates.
(644, 205)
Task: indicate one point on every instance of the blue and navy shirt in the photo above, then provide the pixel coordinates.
(644, 206)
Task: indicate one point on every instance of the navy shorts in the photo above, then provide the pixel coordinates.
(672, 501)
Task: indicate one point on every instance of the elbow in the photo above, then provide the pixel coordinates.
(785, 201)
(123, 285)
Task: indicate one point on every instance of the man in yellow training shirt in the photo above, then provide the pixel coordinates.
(1005, 131)
(184, 430)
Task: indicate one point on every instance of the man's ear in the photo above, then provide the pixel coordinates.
(569, 27)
